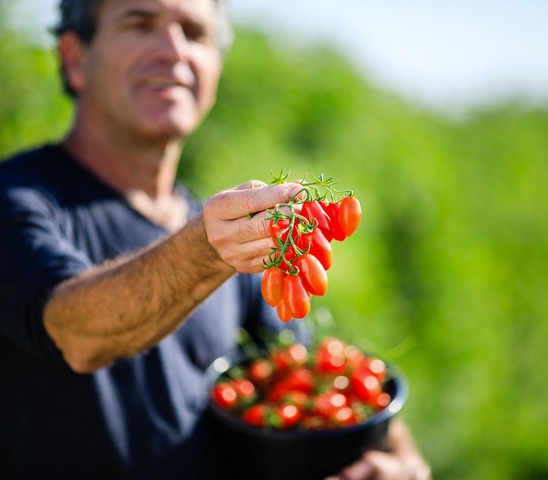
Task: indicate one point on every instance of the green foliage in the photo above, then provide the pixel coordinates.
(32, 110)
(446, 276)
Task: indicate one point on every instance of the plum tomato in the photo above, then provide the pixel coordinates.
(295, 297)
(314, 213)
(284, 313)
(350, 215)
(317, 245)
(272, 286)
(312, 274)
(332, 210)
(279, 229)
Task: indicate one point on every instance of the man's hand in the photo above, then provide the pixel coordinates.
(235, 222)
(403, 462)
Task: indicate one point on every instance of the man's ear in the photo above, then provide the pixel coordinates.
(72, 53)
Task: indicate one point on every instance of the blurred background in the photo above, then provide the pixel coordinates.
(436, 114)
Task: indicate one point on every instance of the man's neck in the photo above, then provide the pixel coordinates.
(143, 172)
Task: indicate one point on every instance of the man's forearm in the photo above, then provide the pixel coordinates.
(125, 306)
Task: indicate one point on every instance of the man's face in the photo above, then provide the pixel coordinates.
(152, 68)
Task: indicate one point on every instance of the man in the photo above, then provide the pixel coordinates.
(117, 289)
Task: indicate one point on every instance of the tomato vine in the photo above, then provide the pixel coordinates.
(302, 230)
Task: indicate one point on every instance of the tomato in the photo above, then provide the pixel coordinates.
(244, 389)
(294, 355)
(314, 213)
(283, 312)
(319, 247)
(366, 386)
(330, 356)
(301, 380)
(376, 367)
(350, 215)
(272, 286)
(312, 274)
(289, 415)
(257, 415)
(332, 210)
(354, 358)
(225, 395)
(383, 400)
(279, 229)
(297, 398)
(344, 416)
(260, 371)
(296, 298)
(327, 404)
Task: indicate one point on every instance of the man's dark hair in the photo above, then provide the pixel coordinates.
(78, 16)
(81, 17)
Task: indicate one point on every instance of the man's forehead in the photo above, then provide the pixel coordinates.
(175, 4)
(200, 10)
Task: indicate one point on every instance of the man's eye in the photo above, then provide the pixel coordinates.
(141, 25)
(194, 32)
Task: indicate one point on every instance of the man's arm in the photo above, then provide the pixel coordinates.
(127, 305)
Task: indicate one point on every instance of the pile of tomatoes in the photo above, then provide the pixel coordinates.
(292, 387)
(302, 252)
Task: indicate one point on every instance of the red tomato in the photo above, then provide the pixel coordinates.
(383, 400)
(376, 367)
(294, 355)
(244, 389)
(297, 398)
(350, 215)
(314, 213)
(312, 274)
(225, 395)
(345, 416)
(301, 380)
(354, 358)
(272, 286)
(330, 356)
(319, 247)
(279, 229)
(289, 415)
(366, 386)
(257, 415)
(260, 371)
(327, 404)
(332, 210)
(283, 312)
(296, 298)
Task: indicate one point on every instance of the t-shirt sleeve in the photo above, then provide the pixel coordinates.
(35, 256)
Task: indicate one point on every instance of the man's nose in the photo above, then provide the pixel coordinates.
(175, 44)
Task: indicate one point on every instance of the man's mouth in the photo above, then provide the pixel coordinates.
(162, 83)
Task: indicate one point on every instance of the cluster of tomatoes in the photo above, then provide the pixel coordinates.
(302, 252)
(333, 385)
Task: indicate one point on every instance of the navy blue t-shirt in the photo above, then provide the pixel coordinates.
(140, 418)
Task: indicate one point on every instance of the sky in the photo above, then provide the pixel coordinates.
(447, 55)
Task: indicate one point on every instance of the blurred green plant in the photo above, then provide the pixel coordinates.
(446, 277)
